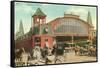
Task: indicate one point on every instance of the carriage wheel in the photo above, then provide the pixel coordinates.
(36, 63)
(58, 61)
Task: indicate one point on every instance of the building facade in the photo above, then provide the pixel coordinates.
(69, 29)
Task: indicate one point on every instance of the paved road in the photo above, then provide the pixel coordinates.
(67, 58)
(71, 57)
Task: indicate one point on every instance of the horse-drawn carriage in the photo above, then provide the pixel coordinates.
(85, 50)
(58, 51)
(50, 55)
(92, 51)
(38, 55)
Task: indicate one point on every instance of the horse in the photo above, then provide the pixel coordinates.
(21, 57)
(58, 52)
(18, 53)
(92, 51)
(51, 56)
(83, 51)
(77, 50)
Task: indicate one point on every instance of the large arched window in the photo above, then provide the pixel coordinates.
(71, 26)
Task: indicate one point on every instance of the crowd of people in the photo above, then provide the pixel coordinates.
(49, 55)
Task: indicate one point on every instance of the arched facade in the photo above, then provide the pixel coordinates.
(72, 26)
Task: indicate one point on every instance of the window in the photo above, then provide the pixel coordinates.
(71, 26)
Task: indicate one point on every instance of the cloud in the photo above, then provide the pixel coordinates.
(82, 11)
(78, 10)
(23, 7)
(23, 12)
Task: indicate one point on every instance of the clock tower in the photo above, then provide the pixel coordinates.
(39, 18)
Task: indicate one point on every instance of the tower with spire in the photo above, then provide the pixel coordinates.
(91, 29)
(89, 20)
(20, 31)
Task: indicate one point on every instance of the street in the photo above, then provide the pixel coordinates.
(68, 58)
(71, 57)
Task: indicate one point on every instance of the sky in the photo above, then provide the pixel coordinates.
(24, 12)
